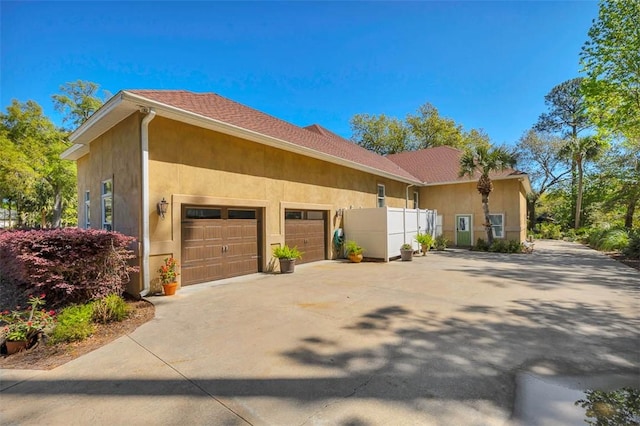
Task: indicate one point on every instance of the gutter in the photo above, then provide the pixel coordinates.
(404, 215)
(144, 151)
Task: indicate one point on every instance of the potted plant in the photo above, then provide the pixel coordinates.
(441, 243)
(406, 252)
(425, 241)
(21, 328)
(353, 251)
(287, 257)
(168, 276)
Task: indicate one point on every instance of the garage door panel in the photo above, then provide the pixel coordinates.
(308, 236)
(219, 248)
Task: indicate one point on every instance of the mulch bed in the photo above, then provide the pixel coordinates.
(46, 357)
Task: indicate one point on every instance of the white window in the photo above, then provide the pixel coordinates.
(87, 210)
(416, 201)
(497, 224)
(381, 196)
(107, 205)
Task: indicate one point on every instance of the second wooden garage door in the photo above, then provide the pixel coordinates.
(306, 229)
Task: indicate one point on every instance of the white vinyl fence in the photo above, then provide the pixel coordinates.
(381, 231)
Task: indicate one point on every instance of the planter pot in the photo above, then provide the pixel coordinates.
(425, 249)
(355, 258)
(15, 346)
(170, 289)
(406, 255)
(287, 266)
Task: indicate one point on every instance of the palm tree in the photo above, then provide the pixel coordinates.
(580, 151)
(485, 160)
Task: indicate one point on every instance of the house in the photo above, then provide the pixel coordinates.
(217, 184)
(457, 200)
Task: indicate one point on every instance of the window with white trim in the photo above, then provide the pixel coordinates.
(416, 200)
(107, 205)
(381, 195)
(87, 210)
(497, 225)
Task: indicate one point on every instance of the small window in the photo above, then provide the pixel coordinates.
(203, 213)
(497, 224)
(87, 210)
(107, 205)
(315, 215)
(242, 214)
(381, 195)
(416, 201)
(293, 214)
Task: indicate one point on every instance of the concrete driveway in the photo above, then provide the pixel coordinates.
(439, 340)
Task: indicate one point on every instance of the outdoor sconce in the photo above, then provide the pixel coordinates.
(162, 207)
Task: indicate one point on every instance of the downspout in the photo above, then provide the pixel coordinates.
(404, 215)
(144, 150)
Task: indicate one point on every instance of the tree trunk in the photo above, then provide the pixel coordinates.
(630, 211)
(57, 210)
(531, 210)
(487, 220)
(579, 196)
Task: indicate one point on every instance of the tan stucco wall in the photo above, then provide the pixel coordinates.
(463, 198)
(114, 155)
(191, 165)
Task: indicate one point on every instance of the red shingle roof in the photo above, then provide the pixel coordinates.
(438, 165)
(314, 137)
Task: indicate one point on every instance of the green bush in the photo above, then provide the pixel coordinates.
(549, 231)
(633, 248)
(608, 239)
(613, 240)
(110, 309)
(441, 242)
(74, 323)
(499, 246)
(481, 245)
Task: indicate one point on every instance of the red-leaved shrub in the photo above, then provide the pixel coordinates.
(69, 265)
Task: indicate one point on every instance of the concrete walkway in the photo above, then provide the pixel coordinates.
(439, 340)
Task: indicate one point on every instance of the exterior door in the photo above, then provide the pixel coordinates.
(463, 230)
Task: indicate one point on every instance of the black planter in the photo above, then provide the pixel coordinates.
(287, 266)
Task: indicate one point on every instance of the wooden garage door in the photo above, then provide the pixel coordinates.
(306, 230)
(218, 243)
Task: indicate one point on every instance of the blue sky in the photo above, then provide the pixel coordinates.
(485, 64)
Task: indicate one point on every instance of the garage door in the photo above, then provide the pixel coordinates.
(306, 229)
(219, 242)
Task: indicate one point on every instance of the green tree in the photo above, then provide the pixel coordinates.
(611, 60)
(619, 177)
(425, 129)
(485, 160)
(78, 101)
(429, 129)
(539, 156)
(567, 116)
(379, 133)
(580, 151)
(32, 173)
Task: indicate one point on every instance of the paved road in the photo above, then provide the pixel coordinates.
(439, 340)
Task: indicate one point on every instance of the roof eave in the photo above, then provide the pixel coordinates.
(199, 120)
(523, 177)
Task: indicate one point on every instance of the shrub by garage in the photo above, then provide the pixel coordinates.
(69, 265)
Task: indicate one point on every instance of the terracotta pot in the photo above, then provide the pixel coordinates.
(287, 266)
(15, 346)
(355, 258)
(170, 289)
(425, 249)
